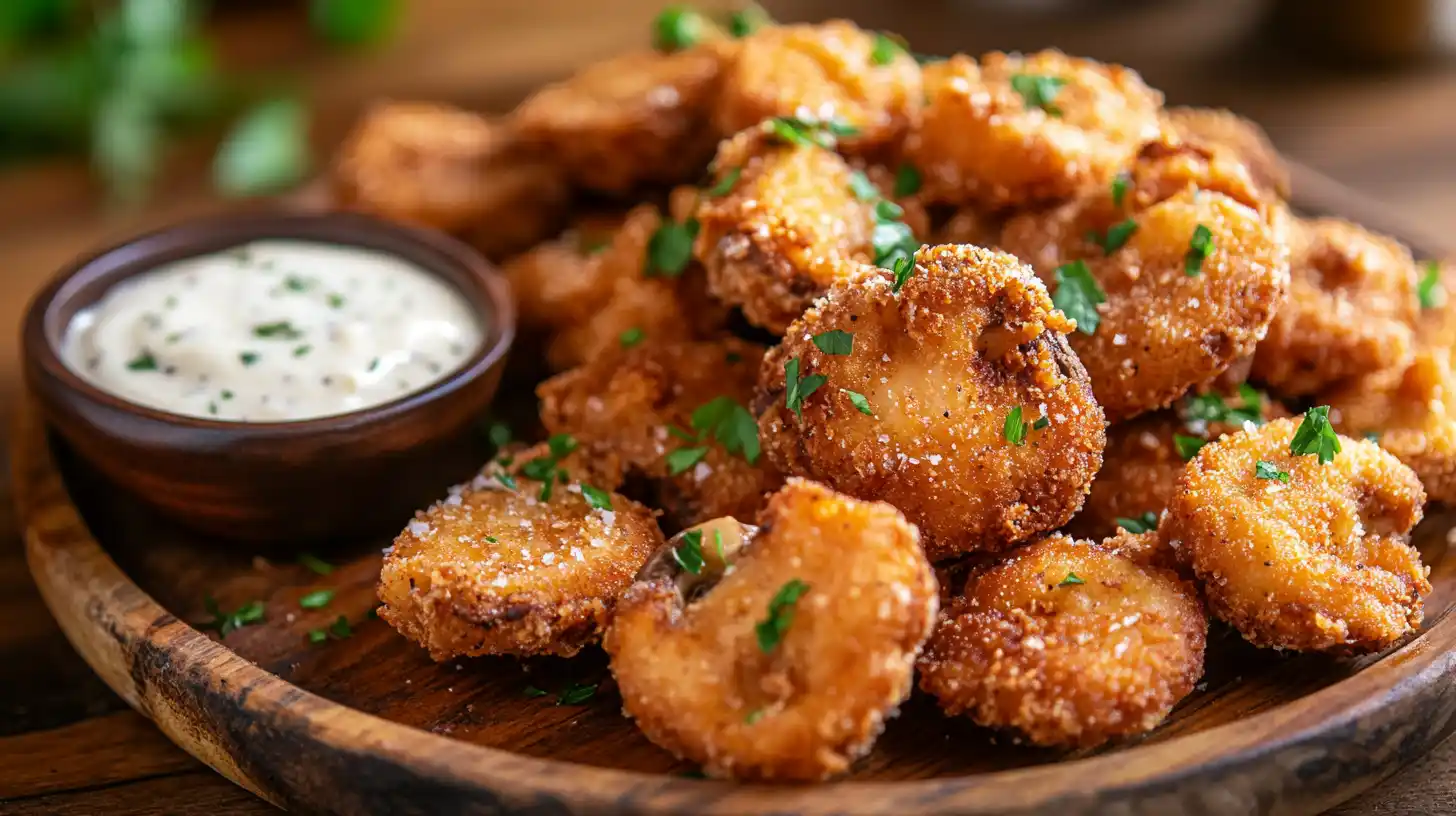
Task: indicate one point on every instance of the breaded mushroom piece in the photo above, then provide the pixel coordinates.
(1413, 417)
(785, 230)
(632, 300)
(501, 567)
(437, 166)
(1230, 131)
(640, 403)
(1145, 456)
(786, 667)
(1178, 310)
(1320, 562)
(1069, 644)
(956, 399)
(1352, 303)
(825, 71)
(1015, 130)
(637, 118)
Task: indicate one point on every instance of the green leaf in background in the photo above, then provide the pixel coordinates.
(23, 21)
(354, 22)
(266, 151)
(126, 146)
(150, 22)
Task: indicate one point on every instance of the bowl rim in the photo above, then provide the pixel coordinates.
(461, 267)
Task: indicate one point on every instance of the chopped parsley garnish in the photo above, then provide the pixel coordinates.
(245, 615)
(576, 694)
(1119, 188)
(1200, 246)
(718, 546)
(892, 241)
(887, 211)
(631, 337)
(835, 341)
(1372, 436)
(507, 480)
(317, 636)
(747, 20)
(317, 599)
(492, 539)
(671, 248)
(225, 395)
(335, 300)
(753, 716)
(142, 362)
(799, 388)
(532, 691)
(316, 565)
(885, 49)
(1078, 294)
(545, 469)
(904, 270)
(1213, 408)
(173, 337)
(247, 358)
(340, 628)
(907, 181)
(862, 187)
(499, 434)
(1188, 446)
(683, 458)
(1015, 427)
(725, 184)
(1116, 236)
(1041, 422)
(1429, 290)
(283, 330)
(677, 28)
(1071, 580)
(730, 424)
(1038, 91)
(300, 351)
(1146, 523)
(808, 131)
(596, 497)
(858, 401)
(1269, 470)
(212, 408)
(373, 364)
(771, 629)
(1316, 436)
(294, 283)
(689, 554)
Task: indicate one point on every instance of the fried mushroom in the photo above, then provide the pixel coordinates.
(1017, 129)
(1229, 131)
(1317, 559)
(1069, 644)
(525, 559)
(786, 666)
(955, 398)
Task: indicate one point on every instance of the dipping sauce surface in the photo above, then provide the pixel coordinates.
(273, 331)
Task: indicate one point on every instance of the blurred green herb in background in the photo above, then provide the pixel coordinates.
(119, 79)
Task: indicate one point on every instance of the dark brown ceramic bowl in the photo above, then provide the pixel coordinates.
(357, 473)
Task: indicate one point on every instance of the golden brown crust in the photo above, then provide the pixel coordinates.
(1352, 301)
(979, 141)
(786, 229)
(626, 403)
(447, 168)
(1321, 563)
(826, 71)
(1142, 463)
(1232, 132)
(633, 119)
(1413, 417)
(1164, 331)
(662, 309)
(1069, 644)
(699, 683)
(970, 337)
(493, 569)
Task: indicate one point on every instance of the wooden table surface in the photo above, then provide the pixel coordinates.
(70, 746)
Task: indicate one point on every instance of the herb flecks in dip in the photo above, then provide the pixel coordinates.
(273, 331)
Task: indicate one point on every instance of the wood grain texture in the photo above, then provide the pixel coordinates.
(367, 724)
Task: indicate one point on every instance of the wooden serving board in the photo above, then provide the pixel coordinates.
(367, 724)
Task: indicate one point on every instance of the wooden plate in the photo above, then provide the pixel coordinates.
(367, 724)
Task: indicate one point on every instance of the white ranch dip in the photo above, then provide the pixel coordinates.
(273, 331)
